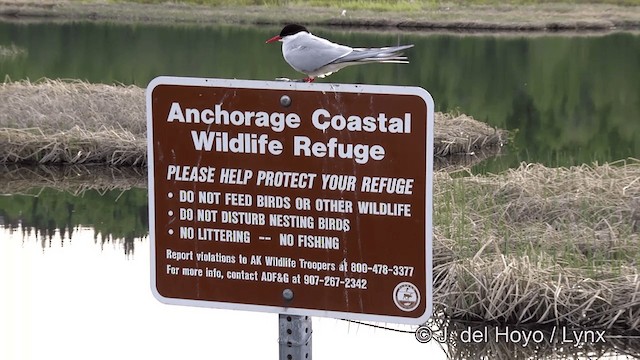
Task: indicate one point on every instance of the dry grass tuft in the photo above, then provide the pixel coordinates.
(535, 342)
(74, 122)
(60, 122)
(532, 246)
(540, 245)
(57, 105)
(463, 135)
(74, 146)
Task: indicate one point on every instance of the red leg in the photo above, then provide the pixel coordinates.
(309, 79)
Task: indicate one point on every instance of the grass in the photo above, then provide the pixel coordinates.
(349, 5)
(540, 245)
(551, 346)
(533, 245)
(525, 210)
(58, 122)
(477, 15)
(383, 5)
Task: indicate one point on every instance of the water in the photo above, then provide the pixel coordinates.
(569, 100)
(75, 299)
(75, 269)
(75, 277)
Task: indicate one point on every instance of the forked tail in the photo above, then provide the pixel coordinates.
(391, 54)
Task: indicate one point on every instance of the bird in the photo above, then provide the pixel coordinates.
(317, 57)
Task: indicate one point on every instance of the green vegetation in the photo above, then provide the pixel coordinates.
(567, 100)
(582, 217)
(510, 247)
(378, 5)
(510, 15)
(401, 5)
(532, 245)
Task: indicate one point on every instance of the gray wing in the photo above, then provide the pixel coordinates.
(391, 54)
(309, 53)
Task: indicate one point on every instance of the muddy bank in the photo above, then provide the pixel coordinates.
(450, 17)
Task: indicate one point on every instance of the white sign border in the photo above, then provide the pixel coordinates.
(297, 86)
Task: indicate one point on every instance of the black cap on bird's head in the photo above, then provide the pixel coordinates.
(290, 29)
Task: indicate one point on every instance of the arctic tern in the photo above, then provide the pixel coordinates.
(318, 57)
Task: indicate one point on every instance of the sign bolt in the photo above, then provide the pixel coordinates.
(287, 294)
(285, 101)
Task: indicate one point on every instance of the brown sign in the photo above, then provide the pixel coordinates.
(306, 199)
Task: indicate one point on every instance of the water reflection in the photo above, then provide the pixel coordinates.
(63, 301)
(569, 99)
(63, 236)
(78, 300)
(115, 216)
(89, 231)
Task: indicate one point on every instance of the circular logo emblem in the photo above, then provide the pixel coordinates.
(406, 296)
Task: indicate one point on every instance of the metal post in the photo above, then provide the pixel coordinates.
(295, 337)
